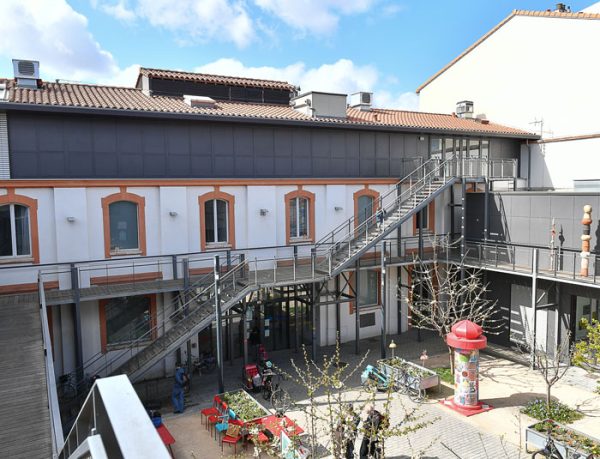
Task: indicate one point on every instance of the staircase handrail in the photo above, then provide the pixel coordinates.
(189, 307)
(412, 190)
(349, 223)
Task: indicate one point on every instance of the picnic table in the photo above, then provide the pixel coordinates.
(276, 425)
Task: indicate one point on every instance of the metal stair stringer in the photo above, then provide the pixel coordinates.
(393, 225)
(178, 334)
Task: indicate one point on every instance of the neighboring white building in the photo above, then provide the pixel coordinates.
(536, 70)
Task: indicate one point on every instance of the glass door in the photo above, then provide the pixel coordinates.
(585, 308)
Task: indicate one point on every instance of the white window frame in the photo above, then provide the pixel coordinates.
(297, 236)
(13, 231)
(216, 224)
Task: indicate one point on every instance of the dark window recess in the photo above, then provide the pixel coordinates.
(367, 320)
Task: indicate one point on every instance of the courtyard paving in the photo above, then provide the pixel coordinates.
(495, 434)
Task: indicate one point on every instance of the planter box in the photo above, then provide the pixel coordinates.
(428, 378)
(535, 440)
(250, 399)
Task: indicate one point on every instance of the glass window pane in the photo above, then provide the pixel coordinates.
(293, 218)
(369, 285)
(127, 319)
(448, 148)
(5, 232)
(423, 214)
(123, 225)
(365, 208)
(209, 221)
(221, 220)
(485, 149)
(473, 148)
(22, 230)
(303, 217)
(436, 148)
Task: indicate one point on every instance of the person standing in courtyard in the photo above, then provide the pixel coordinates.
(369, 445)
(178, 385)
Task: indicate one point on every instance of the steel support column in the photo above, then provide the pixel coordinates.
(357, 307)
(463, 227)
(297, 314)
(230, 336)
(383, 302)
(245, 330)
(219, 326)
(534, 274)
(486, 212)
(338, 319)
(420, 251)
(315, 313)
(76, 308)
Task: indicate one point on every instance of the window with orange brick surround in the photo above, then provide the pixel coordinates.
(217, 194)
(11, 198)
(430, 219)
(123, 195)
(365, 192)
(310, 197)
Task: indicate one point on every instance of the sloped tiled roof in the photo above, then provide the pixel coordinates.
(69, 95)
(216, 79)
(541, 14)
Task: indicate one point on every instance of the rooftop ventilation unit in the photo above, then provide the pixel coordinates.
(199, 101)
(321, 104)
(27, 73)
(361, 100)
(464, 109)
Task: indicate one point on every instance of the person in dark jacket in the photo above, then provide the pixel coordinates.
(178, 385)
(368, 447)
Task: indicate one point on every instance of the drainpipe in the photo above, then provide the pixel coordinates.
(528, 166)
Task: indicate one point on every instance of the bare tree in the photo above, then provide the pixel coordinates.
(443, 293)
(551, 363)
(333, 405)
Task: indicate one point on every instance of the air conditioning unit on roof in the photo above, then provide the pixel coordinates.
(27, 73)
(361, 100)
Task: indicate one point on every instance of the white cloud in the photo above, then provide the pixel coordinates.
(315, 16)
(189, 20)
(53, 33)
(342, 76)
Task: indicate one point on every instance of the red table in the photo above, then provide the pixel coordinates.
(166, 437)
(276, 424)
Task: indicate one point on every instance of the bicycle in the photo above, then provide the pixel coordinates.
(549, 450)
(206, 363)
(410, 385)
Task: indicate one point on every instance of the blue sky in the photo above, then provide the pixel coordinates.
(386, 46)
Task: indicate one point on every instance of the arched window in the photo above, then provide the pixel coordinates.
(15, 234)
(18, 228)
(366, 203)
(124, 233)
(217, 225)
(124, 224)
(300, 216)
(216, 221)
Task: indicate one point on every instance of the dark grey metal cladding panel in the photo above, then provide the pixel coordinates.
(63, 146)
(504, 148)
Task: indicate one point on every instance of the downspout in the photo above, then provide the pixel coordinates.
(528, 166)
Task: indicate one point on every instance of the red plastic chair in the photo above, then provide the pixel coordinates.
(232, 440)
(212, 411)
(213, 419)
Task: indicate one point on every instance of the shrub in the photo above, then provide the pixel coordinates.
(445, 374)
(558, 412)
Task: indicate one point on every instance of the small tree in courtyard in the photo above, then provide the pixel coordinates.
(587, 351)
(331, 421)
(442, 294)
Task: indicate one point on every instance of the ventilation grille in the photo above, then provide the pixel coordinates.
(4, 159)
(26, 68)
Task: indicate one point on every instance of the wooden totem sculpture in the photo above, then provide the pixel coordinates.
(585, 239)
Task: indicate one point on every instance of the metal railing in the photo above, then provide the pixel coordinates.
(112, 411)
(558, 263)
(55, 421)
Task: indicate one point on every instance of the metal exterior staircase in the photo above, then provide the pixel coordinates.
(340, 248)
(349, 241)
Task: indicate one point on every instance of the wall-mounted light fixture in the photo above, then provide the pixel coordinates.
(71, 219)
(263, 212)
(421, 138)
(338, 208)
(173, 213)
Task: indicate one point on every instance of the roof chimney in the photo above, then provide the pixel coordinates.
(361, 100)
(562, 8)
(199, 101)
(27, 73)
(464, 109)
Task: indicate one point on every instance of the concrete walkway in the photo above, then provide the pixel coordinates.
(495, 434)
